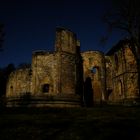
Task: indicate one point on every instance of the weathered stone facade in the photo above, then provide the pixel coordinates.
(94, 71)
(54, 77)
(19, 83)
(67, 77)
(121, 74)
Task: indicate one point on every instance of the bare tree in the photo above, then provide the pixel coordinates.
(125, 15)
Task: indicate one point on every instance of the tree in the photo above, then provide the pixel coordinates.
(125, 15)
(4, 74)
(24, 66)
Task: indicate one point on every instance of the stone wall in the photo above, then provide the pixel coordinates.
(123, 75)
(68, 52)
(131, 75)
(109, 74)
(66, 76)
(19, 83)
(55, 76)
(44, 71)
(66, 41)
(94, 71)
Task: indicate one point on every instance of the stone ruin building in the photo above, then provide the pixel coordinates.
(70, 78)
(122, 74)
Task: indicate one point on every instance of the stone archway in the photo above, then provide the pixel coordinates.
(46, 85)
(96, 84)
(88, 92)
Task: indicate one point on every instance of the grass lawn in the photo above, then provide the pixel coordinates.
(97, 123)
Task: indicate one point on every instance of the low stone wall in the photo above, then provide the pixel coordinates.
(45, 101)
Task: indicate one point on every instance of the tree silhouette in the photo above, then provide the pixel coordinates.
(4, 74)
(125, 15)
(24, 66)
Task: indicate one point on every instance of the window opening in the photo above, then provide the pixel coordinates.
(116, 61)
(94, 70)
(46, 88)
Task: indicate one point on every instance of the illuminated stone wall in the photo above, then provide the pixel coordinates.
(44, 71)
(67, 73)
(55, 74)
(94, 69)
(121, 74)
(68, 56)
(66, 41)
(19, 83)
(57, 69)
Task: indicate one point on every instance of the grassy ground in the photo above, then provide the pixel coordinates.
(99, 123)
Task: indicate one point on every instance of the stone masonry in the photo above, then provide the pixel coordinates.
(121, 74)
(70, 78)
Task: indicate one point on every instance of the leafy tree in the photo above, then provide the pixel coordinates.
(125, 15)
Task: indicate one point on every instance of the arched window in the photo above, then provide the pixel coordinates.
(120, 88)
(93, 70)
(45, 88)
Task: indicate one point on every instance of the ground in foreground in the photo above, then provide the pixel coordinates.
(98, 123)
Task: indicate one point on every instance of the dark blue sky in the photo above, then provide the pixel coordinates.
(30, 25)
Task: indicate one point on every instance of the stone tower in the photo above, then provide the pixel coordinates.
(55, 77)
(68, 55)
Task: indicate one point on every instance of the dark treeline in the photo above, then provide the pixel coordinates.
(4, 74)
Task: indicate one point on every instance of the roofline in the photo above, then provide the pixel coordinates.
(119, 45)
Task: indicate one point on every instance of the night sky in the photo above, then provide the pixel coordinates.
(30, 25)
